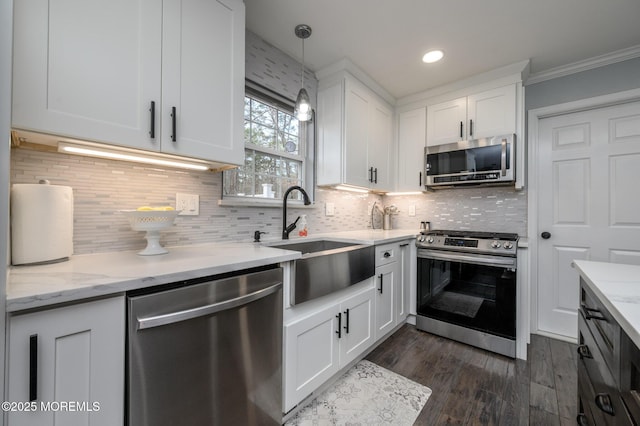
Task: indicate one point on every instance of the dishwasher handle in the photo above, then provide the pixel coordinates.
(201, 311)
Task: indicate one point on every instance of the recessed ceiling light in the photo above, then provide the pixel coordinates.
(432, 56)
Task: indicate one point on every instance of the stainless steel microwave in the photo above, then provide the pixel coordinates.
(472, 162)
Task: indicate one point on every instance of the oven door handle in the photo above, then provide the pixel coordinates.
(503, 158)
(506, 262)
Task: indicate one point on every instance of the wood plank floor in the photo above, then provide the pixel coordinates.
(475, 387)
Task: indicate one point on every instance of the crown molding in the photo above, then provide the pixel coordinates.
(585, 65)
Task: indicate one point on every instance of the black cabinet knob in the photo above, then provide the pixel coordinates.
(545, 235)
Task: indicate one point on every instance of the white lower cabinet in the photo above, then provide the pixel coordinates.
(318, 345)
(69, 362)
(388, 275)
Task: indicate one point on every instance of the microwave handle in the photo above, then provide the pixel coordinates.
(503, 158)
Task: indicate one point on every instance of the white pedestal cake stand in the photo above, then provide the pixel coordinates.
(151, 221)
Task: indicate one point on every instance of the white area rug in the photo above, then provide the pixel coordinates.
(367, 394)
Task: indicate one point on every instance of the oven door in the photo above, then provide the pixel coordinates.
(469, 290)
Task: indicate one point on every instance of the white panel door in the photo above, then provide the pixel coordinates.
(88, 70)
(203, 79)
(589, 170)
(412, 128)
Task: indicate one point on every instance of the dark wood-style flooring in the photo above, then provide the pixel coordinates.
(475, 387)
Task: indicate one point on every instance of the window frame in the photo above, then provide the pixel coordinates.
(306, 149)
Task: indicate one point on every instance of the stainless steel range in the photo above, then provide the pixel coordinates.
(467, 287)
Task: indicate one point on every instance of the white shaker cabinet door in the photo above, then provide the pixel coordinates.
(379, 149)
(311, 354)
(357, 333)
(87, 70)
(492, 113)
(386, 281)
(79, 356)
(203, 79)
(446, 122)
(412, 129)
(357, 168)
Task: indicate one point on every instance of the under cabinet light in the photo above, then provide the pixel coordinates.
(351, 188)
(124, 154)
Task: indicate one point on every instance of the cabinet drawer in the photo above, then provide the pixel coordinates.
(386, 254)
(603, 327)
(596, 382)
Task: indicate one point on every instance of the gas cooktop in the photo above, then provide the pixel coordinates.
(498, 243)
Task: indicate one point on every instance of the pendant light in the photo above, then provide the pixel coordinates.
(303, 110)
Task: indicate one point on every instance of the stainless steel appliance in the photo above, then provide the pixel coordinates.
(467, 287)
(207, 352)
(478, 161)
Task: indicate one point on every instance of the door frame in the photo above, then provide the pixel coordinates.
(534, 116)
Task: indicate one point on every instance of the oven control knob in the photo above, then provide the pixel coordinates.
(508, 245)
(421, 238)
(430, 240)
(496, 244)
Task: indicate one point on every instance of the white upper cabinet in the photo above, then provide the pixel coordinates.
(113, 71)
(355, 136)
(412, 129)
(87, 70)
(203, 79)
(484, 114)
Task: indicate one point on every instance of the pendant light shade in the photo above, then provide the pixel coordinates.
(303, 111)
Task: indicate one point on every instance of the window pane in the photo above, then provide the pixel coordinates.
(247, 108)
(265, 164)
(263, 136)
(263, 114)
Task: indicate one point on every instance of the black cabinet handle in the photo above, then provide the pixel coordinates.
(582, 420)
(174, 135)
(375, 173)
(461, 124)
(346, 327)
(381, 276)
(470, 127)
(370, 174)
(33, 367)
(339, 331)
(584, 352)
(386, 255)
(152, 130)
(603, 401)
(420, 179)
(587, 312)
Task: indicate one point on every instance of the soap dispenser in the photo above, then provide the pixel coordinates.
(303, 226)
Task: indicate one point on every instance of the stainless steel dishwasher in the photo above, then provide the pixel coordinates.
(208, 352)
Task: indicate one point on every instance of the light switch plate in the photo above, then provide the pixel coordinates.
(329, 209)
(188, 204)
(412, 210)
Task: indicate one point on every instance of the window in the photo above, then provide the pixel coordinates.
(275, 148)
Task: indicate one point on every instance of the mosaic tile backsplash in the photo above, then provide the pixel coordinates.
(102, 187)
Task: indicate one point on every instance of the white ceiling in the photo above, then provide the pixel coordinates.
(387, 38)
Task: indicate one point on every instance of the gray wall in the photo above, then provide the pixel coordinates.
(612, 78)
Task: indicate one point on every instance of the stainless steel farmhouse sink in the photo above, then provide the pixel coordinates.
(327, 266)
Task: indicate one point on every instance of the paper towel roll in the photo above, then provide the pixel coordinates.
(41, 223)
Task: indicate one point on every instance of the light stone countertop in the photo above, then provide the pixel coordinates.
(103, 274)
(618, 288)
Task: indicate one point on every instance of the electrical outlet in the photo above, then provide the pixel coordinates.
(188, 204)
(412, 210)
(329, 209)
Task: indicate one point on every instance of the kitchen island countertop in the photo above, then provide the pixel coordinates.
(103, 274)
(618, 288)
